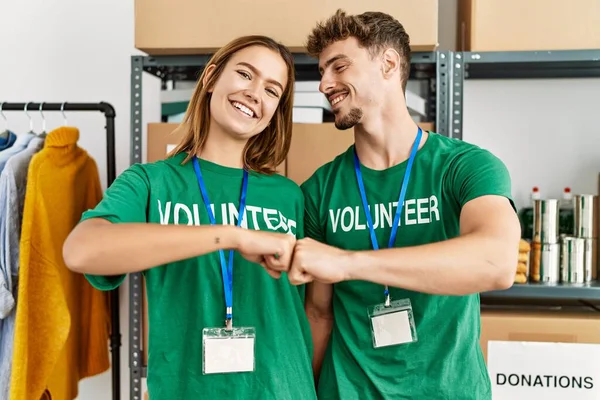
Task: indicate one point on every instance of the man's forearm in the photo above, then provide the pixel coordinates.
(464, 265)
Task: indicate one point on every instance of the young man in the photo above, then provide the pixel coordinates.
(457, 232)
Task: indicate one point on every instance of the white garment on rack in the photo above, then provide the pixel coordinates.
(13, 183)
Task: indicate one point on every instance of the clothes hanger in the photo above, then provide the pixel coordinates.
(4, 134)
(30, 119)
(43, 133)
(62, 111)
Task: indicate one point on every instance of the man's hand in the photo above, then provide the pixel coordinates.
(271, 250)
(315, 261)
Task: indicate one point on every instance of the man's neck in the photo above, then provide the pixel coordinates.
(387, 140)
(222, 149)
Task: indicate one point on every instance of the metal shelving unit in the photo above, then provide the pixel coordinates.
(527, 65)
(435, 68)
(518, 65)
(589, 292)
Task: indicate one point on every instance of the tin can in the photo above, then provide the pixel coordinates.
(590, 259)
(572, 260)
(586, 215)
(545, 262)
(545, 221)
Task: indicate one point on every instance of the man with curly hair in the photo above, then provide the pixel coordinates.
(402, 322)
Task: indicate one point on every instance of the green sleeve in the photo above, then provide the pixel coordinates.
(300, 234)
(125, 201)
(312, 222)
(477, 173)
(300, 231)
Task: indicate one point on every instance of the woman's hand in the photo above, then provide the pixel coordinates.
(272, 250)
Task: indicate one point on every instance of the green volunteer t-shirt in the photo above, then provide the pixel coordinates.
(446, 362)
(186, 296)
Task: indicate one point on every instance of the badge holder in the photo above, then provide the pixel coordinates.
(392, 323)
(228, 350)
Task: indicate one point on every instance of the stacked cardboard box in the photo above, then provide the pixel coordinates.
(196, 27)
(515, 25)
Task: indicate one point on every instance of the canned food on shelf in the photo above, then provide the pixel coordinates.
(586, 215)
(546, 221)
(545, 262)
(572, 265)
(590, 259)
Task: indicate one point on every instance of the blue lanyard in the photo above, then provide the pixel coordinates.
(363, 195)
(226, 268)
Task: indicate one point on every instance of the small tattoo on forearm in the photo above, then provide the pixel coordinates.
(217, 240)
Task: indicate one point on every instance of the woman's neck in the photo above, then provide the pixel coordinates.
(222, 149)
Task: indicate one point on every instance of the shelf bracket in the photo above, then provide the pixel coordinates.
(456, 95)
(442, 81)
(135, 280)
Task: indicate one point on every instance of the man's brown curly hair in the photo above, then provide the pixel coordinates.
(375, 31)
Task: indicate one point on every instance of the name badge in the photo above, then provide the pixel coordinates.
(228, 351)
(392, 324)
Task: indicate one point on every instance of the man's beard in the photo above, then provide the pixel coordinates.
(349, 120)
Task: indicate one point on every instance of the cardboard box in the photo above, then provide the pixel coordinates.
(427, 126)
(562, 327)
(163, 137)
(314, 145)
(514, 25)
(197, 27)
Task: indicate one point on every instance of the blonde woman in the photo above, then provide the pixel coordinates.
(213, 229)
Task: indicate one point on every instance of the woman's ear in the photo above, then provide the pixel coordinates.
(209, 71)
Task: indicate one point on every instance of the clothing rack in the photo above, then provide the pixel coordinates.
(109, 112)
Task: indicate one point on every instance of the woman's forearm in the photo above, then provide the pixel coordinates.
(100, 247)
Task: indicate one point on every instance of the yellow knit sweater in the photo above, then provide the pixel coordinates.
(62, 323)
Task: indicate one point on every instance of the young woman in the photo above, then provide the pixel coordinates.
(213, 229)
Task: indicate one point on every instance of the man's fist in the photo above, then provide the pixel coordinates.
(317, 261)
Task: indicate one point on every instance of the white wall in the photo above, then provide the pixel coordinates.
(76, 51)
(546, 131)
(79, 51)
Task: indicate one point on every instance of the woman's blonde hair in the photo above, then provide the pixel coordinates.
(264, 152)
